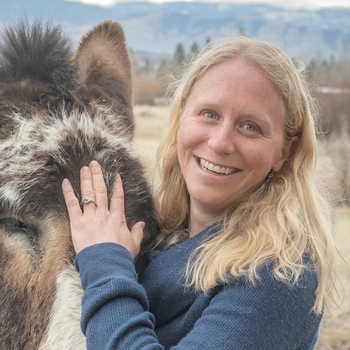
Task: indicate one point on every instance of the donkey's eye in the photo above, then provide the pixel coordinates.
(13, 226)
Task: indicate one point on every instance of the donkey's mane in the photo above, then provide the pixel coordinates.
(39, 53)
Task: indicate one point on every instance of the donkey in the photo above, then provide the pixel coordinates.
(59, 109)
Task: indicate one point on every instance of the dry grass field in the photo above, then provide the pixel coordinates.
(335, 328)
(151, 122)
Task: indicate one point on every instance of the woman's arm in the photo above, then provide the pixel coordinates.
(103, 226)
(114, 307)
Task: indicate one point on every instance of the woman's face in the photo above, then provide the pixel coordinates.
(230, 135)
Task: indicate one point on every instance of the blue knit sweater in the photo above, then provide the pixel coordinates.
(157, 312)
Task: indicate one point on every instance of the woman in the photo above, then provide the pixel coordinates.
(245, 257)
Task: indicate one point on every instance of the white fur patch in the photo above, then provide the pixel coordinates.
(9, 193)
(20, 161)
(64, 328)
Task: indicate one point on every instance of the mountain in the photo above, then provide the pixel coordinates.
(159, 27)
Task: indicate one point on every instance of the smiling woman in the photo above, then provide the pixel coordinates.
(245, 256)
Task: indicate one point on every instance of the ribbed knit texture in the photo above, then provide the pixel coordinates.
(157, 312)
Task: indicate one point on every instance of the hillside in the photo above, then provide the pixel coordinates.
(159, 28)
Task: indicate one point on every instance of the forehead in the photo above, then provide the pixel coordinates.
(235, 73)
(227, 80)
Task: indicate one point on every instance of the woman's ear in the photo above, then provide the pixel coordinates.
(287, 151)
(293, 145)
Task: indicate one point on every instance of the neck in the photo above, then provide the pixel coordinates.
(200, 220)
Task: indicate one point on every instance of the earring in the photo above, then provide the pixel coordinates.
(269, 176)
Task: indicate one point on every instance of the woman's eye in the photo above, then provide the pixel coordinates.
(252, 128)
(210, 115)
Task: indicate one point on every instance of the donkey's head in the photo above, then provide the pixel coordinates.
(58, 110)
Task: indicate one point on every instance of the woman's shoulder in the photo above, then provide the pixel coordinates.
(268, 312)
(273, 291)
(270, 274)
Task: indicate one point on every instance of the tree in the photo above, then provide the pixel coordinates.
(208, 42)
(179, 55)
(195, 49)
(242, 32)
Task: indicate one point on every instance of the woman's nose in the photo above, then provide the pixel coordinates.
(222, 140)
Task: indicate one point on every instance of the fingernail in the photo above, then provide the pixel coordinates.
(94, 164)
(85, 169)
(65, 182)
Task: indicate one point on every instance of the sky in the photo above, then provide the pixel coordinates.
(293, 3)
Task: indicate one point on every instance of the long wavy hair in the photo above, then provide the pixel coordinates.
(291, 214)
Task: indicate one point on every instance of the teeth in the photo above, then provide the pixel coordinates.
(215, 168)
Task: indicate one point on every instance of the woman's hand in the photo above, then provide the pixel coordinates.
(96, 223)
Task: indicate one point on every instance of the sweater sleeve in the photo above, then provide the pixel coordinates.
(114, 307)
(267, 315)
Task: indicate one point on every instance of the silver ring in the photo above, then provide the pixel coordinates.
(87, 201)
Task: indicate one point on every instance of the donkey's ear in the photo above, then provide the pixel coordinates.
(103, 66)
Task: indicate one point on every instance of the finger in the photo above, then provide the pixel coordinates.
(86, 188)
(98, 184)
(72, 202)
(117, 199)
(137, 233)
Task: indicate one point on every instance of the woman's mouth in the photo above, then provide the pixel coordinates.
(217, 169)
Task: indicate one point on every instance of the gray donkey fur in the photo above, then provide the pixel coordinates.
(59, 109)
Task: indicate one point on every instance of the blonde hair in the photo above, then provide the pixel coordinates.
(282, 220)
